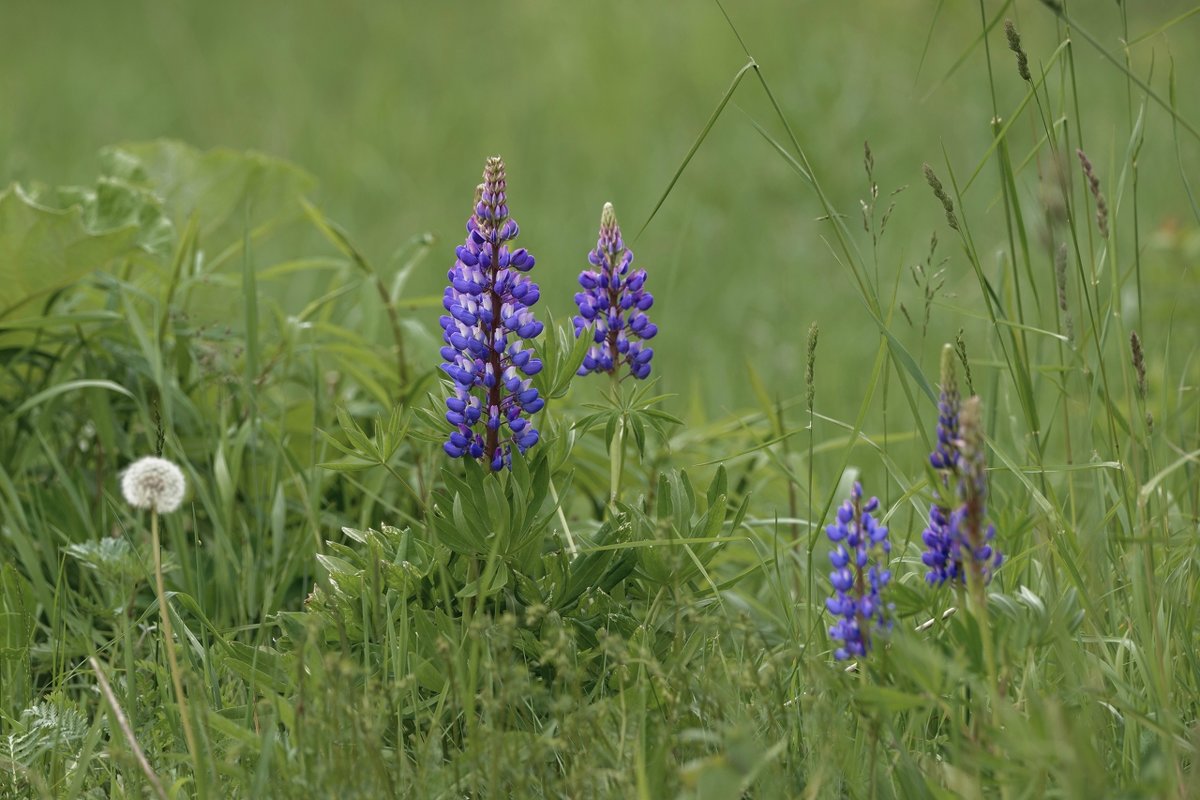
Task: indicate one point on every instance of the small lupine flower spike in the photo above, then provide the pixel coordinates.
(485, 330)
(614, 301)
(945, 455)
(859, 575)
(958, 541)
(942, 554)
(153, 483)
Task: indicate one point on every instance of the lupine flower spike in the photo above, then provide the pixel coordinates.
(942, 555)
(485, 330)
(859, 575)
(959, 541)
(614, 300)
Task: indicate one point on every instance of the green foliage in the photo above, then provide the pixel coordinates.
(45, 247)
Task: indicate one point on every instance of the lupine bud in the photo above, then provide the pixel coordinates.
(857, 582)
(614, 301)
(488, 318)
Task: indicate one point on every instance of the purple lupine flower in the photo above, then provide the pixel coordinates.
(487, 322)
(958, 540)
(942, 554)
(857, 582)
(614, 300)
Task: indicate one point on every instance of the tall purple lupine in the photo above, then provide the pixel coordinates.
(857, 582)
(487, 322)
(957, 540)
(615, 301)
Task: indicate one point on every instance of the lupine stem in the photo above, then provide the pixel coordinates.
(493, 434)
(616, 454)
(562, 519)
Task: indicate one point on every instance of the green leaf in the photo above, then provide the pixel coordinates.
(719, 486)
(261, 667)
(230, 193)
(69, 386)
(17, 609)
(890, 701)
(43, 249)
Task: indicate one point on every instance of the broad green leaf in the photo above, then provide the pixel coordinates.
(230, 193)
(43, 249)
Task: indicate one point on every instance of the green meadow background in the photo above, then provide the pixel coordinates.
(393, 107)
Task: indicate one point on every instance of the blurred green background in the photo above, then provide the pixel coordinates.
(394, 106)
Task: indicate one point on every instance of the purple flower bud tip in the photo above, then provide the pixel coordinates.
(488, 301)
(610, 288)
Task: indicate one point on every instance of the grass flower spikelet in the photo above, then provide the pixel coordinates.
(614, 300)
(969, 523)
(485, 330)
(1014, 44)
(1089, 172)
(153, 483)
(859, 575)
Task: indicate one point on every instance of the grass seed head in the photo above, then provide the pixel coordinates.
(1014, 44)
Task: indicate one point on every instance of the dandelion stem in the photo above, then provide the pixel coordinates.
(169, 643)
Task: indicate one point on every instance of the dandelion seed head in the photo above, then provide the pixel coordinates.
(153, 483)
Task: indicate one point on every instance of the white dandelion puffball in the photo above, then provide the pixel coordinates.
(153, 483)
